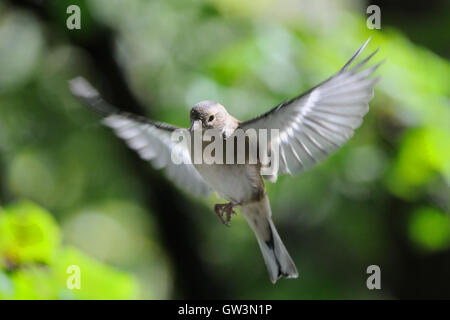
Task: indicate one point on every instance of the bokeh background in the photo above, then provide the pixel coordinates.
(73, 194)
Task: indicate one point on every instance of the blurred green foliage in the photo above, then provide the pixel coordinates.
(34, 265)
(390, 182)
(423, 153)
(430, 229)
(28, 235)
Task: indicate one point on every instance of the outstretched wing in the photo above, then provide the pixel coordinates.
(316, 123)
(151, 139)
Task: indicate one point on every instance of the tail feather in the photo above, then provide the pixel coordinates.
(277, 259)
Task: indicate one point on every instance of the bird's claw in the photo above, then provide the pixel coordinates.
(226, 209)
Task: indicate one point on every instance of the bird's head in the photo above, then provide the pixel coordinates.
(209, 115)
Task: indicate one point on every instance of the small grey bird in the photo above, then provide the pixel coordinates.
(311, 126)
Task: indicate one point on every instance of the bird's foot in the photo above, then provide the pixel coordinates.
(225, 209)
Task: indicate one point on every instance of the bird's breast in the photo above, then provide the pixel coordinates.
(238, 183)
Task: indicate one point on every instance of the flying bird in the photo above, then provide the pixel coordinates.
(311, 126)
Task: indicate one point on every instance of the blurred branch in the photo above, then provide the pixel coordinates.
(409, 272)
(193, 277)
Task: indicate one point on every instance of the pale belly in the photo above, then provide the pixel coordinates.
(236, 183)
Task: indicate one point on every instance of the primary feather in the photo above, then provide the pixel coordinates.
(150, 139)
(316, 123)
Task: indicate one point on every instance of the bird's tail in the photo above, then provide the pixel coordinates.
(277, 259)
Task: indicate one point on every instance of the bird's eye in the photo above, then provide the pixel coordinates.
(211, 118)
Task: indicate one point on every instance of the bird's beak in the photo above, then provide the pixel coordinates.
(196, 125)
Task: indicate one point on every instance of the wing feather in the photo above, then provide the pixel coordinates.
(150, 139)
(316, 123)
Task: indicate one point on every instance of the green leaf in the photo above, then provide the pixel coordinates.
(430, 229)
(34, 283)
(97, 281)
(424, 153)
(28, 234)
